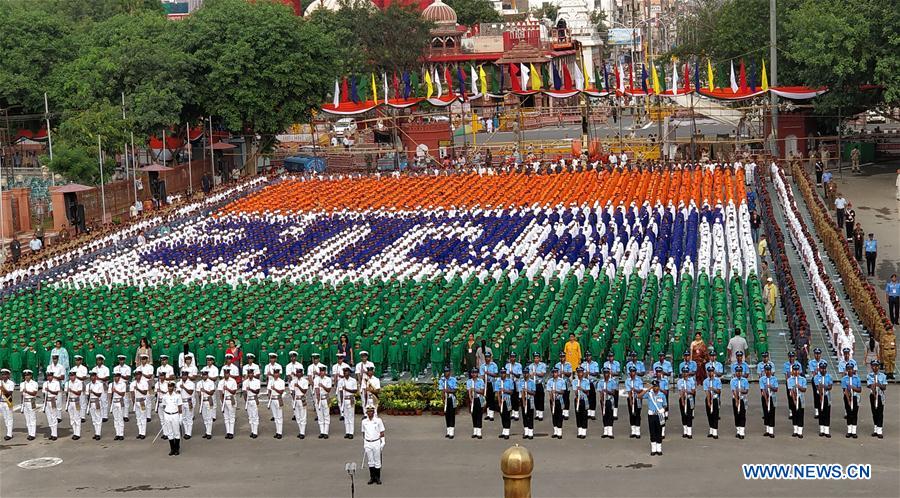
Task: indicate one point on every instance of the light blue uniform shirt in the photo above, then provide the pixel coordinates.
(691, 364)
(558, 385)
(506, 385)
(851, 382)
(666, 366)
(770, 383)
(585, 386)
(638, 365)
(743, 365)
(740, 385)
(514, 369)
(892, 289)
(870, 245)
(655, 402)
(592, 369)
(797, 384)
(720, 369)
(872, 379)
(842, 365)
(710, 384)
(825, 381)
(489, 371)
(476, 385)
(538, 372)
(614, 367)
(761, 368)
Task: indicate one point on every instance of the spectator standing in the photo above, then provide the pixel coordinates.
(849, 220)
(820, 169)
(892, 289)
(762, 248)
(859, 238)
(755, 223)
(35, 245)
(854, 160)
(826, 183)
(840, 205)
(871, 247)
(736, 344)
(143, 349)
(770, 295)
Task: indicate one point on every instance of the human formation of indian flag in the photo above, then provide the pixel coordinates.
(408, 267)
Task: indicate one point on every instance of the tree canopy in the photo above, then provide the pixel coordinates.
(471, 12)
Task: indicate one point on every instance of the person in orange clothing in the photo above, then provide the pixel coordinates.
(573, 352)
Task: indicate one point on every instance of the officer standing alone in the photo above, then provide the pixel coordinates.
(373, 443)
(447, 385)
(170, 401)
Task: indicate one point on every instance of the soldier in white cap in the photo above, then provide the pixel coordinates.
(102, 372)
(270, 369)
(370, 387)
(337, 373)
(140, 393)
(312, 371)
(171, 403)
(228, 388)
(118, 391)
(363, 366)
(29, 389)
(252, 387)
(212, 372)
(125, 372)
(207, 388)
(276, 401)
(229, 365)
(299, 387)
(372, 429)
(292, 368)
(74, 389)
(7, 387)
(321, 388)
(95, 393)
(347, 387)
(81, 373)
(55, 368)
(251, 369)
(186, 388)
(52, 389)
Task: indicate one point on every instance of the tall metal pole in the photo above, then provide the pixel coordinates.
(125, 156)
(773, 64)
(187, 136)
(212, 158)
(133, 168)
(102, 186)
(49, 138)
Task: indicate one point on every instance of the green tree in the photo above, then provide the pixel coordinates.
(97, 10)
(77, 163)
(471, 12)
(137, 54)
(32, 43)
(844, 46)
(546, 11)
(257, 66)
(395, 38)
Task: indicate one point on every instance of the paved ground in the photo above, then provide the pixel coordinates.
(420, 462)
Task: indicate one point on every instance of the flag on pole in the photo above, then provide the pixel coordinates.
(449, 80)
(687, 77)
(586, 74)
(620, 79)
(429, 87)
(697, 76)
(354, 90)
(482, 78)
(734, 84)
(374, 89)
(437, 81)
(336, 99)
(385, 87)
(710, 75)
(644, 78)
(674, 78)
(473, 80)
(407, 87)
(514, 80)
(751, 78)
(461, 81)
(578, 77)
(743, 76)
(654, 76)
(567, 77)
(765, 78)
(605, 77)
(395, 83)
(523, 71)
(536, 82)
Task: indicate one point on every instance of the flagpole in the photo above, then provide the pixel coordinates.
(49, 138)
(773, 66)
(102, 186)
(187, 136)
(133, 169)
(125, 156)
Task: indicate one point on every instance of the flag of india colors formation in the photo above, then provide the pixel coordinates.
(409, 266)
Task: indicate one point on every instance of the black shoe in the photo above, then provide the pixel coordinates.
(140, 436)
(324, 436)
(294, 418)
(105, 420)
(715, 437)
(799, 436)
(301, 436)
(165, 438)
(252, 436)
(828, 435)
(52, 438)
(480, 437)
(794, 435)
(230, 436)
(351, 436)
(271, 419)
(378, 477)
(342, 418)
(321, 436)
(82, 420)
(880, 436)
(30, 438)
(874, 435)
(690, 436)
(187, 436)
(848, 435)
(855, 436)
(171, 448)
(474, 436)
(371, 475)
(278, 436)
(177, 447)
(7, 438)
(125, 419)
(76, 438)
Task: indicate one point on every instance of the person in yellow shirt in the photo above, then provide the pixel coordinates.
(573, 352)
(762, 248)
(770, 296)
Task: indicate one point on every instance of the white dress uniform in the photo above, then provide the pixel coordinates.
(252, 387)
(207, 390)
(229, 403)
(291, 369)
(299, 388)
(269, 372)
(321, 388)
(337, 373)
(346, 394)
(140, 389)
(276, 403)
(102, 372)
(370, 382)
(312, 370)
(213, 372)
(81, 373)
(252, 369)
(6, 405)
(57, 370)
(125, 372)
(29, 405)
(73, 405)
(117, 399)
(51, 404)
(95, 393)
(171, 423)
(186, 389)
(169, 373)
(373, 444)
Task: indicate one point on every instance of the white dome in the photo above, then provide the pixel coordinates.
(439, 13)
(331, 5)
